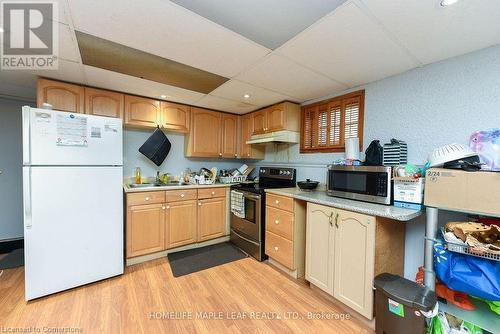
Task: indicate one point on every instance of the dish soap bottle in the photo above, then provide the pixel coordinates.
(138, 178)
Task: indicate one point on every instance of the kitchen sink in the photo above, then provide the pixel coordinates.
(151, 185)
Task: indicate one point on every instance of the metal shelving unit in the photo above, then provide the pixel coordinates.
(482, 316)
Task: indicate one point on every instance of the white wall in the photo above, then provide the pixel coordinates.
(427, 107)
(11, 183)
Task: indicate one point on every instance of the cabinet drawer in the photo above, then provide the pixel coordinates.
(180, 195)
(211, 192)
(280, 202)
(280, 249)
(279, 222)
(150, 197)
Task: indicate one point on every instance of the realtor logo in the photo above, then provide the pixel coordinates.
(30, 35)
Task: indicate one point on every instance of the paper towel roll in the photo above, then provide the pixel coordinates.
(352, 148)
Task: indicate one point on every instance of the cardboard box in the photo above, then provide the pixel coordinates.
(476, 192)
(409, 190)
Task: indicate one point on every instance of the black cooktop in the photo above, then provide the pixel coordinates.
(269, 177)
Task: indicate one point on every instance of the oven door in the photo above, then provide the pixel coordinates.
(250, 226)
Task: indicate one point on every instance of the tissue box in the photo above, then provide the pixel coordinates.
(409, 190)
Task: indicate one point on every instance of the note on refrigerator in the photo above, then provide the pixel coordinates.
(71, 130)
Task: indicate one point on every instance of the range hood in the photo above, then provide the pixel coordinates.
(284, 136)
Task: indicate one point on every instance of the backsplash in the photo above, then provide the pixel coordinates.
(175, 162)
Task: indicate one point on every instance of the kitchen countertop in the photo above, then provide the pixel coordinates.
(320, 197)
(128, 189)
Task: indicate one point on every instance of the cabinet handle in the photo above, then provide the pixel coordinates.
(330, 217)
(235, 155)
(248, 154)
(182, 195)
(276, 248)
(213, 193)
(276, 221)
(147, 198)
(199, 203)
(168, 206)
(220, 154)
(277, 202)
(337, 220)
(163, 207)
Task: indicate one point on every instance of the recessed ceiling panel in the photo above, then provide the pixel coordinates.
(349, 46)
(98, 77)
(112, 56)
(269, 23)
(168, 30)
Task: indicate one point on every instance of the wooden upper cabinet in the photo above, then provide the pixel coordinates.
(259, 121)
(275, 118)
(141, 112)
(248, 151)
(281, 116)
(62, 96)
(229, 136)
(101, 102)
(204, 139)
(175, 117)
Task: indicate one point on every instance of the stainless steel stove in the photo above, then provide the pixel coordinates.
(248, 229)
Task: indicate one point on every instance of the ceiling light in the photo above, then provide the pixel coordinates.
(445, 3)
(163, 96)
(246, 96)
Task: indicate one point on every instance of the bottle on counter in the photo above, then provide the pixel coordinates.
(138, 176)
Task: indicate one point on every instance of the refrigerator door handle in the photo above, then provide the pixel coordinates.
(26, 135)
(27, 197)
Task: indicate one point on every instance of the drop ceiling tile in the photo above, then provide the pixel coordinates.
(234, 90)
(68, 47)
(67, 71)
(433, 33)
(125, 83)
(287, 77)
(167, 30)
(218, 103)
(350, 47)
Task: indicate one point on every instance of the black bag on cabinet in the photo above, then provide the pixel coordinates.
(374, 154)
(156, 147)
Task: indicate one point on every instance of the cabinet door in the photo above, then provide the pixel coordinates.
(175, 116)
(145, 229)
(259, 121)
(320, 242)
(229, 136)
(100, 102)
(211, 218)
(62, 96)
(205, 133)
(249, 151)
(180, 219)
(275, 117)
(354, 261)
(141, 112)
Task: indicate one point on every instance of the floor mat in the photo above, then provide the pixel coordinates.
(13, 260)
(193, 260)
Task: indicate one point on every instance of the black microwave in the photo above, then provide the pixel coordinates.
(364, 183)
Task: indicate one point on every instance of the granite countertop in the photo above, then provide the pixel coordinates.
(320, 197)
(128, 189)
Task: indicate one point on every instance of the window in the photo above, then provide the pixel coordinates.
(325, 125)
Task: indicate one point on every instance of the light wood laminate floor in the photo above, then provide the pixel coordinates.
(147, 295)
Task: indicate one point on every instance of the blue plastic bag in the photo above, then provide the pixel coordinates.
(469, 274)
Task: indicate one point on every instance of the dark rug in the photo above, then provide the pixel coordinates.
(13, 260)
(193, 260)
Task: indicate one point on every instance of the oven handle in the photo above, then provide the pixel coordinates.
(247, 195)
(242, 237)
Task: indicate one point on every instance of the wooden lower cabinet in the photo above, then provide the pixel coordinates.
(145, 229)
(211, 218)
(180, 223)
(343, 253)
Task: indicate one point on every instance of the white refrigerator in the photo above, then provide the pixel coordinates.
(73, 200)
